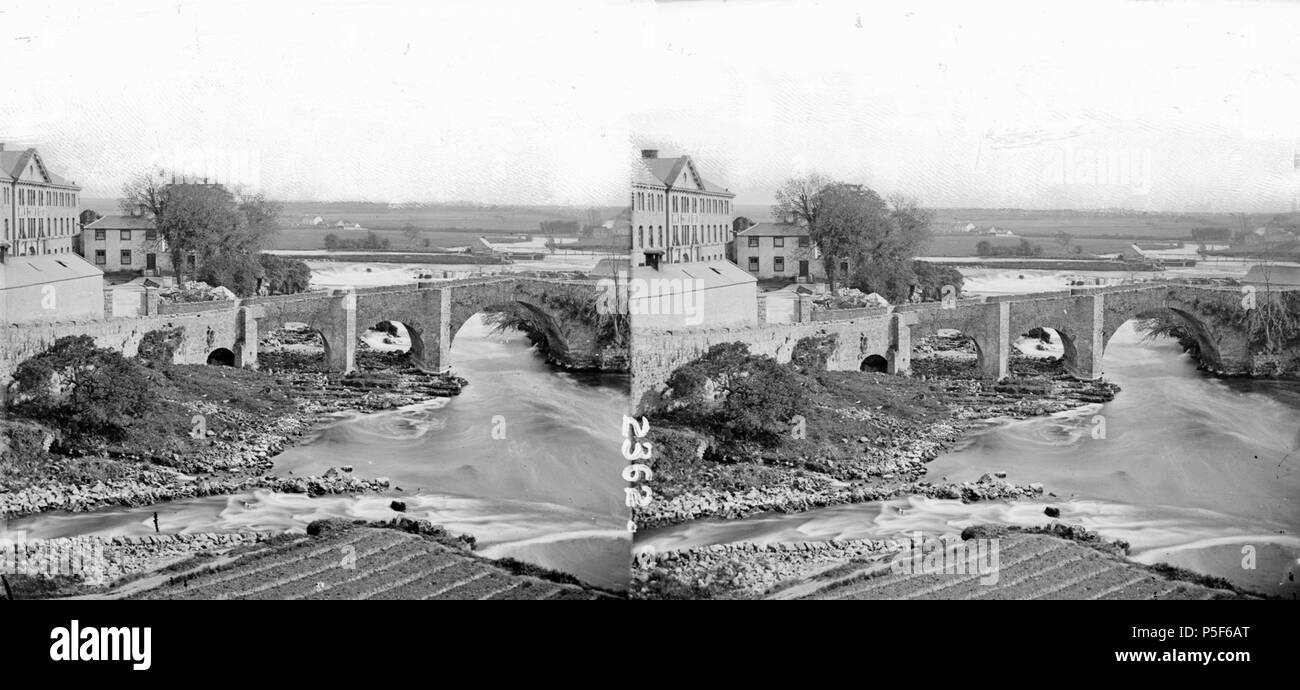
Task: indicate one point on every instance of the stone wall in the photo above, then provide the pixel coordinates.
(203, 333)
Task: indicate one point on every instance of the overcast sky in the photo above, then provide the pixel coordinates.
(1185, 106)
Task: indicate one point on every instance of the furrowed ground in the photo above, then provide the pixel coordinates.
(347, 561)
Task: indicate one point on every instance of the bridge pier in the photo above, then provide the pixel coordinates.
(246, 338)
(900, 349)
(340, 332)
(437, 353)
(1087, 318)
(995, 341)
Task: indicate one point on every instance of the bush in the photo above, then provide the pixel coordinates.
(755, 397)
(81, 388)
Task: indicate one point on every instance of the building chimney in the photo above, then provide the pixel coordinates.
(649, 153)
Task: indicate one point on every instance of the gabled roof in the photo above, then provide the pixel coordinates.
(668, 171)
(121, 223)
(13, 163)
(774, 230)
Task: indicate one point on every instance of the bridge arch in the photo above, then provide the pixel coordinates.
(874, 363)
(221, 357)
(1188, 324)
(394, 335)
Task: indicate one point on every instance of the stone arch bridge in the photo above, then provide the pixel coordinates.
(559, 311)
(1085, 318)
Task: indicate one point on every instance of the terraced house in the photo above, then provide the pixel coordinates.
(677, 215)
(38, 209)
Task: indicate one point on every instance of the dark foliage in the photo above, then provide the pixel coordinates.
(81, 388)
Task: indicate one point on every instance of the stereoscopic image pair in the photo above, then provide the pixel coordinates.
(720, 301)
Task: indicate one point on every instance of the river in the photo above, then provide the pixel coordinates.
(544, 488)
(1191, 470)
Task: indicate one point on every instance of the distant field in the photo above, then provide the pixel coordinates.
(1085, 223)
(964, 245)
(504, 219)
(442, 225)
(1041, 223)
(314, 238)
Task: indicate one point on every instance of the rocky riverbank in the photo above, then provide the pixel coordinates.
(227, 450)
(741, 570)
(868, 437)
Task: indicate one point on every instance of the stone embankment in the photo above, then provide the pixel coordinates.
(171, 486)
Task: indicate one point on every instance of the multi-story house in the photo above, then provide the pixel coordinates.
(38, 209)
(779, 250)
(125, 243)
(677, 215)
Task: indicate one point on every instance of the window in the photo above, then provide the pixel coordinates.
(844, 267)
(126, 235)
(778, 241)
(753, 242)
(151, 234)
(803, 241)
(126, 257)
(99, 235)
(99, 257)
(778, 264)
(753, 264)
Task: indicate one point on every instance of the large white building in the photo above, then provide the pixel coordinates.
(680, 275)
(38, 209)
(677, 215)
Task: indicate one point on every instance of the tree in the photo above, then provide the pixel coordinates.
(281, 276)
(411, 232)
(1064, 239)
(983, 248)
(206, 220)
(852, 222)
(331, 242)
(741, 224)
(89, 216)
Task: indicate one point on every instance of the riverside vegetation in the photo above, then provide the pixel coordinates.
(87, 427)
(737, 434)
